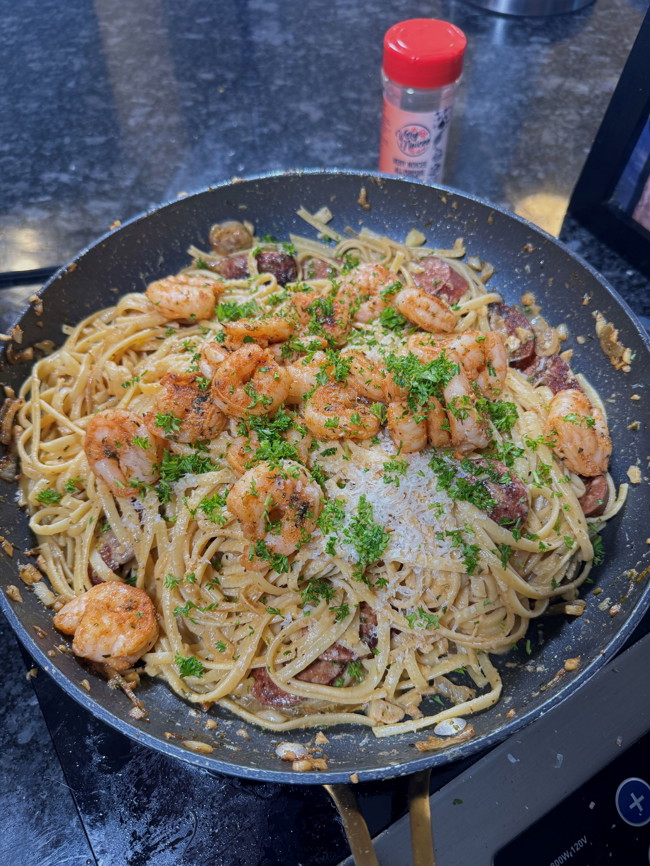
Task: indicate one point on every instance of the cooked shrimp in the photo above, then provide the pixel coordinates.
(212, 354)
(241, 453)
(408, 431)
(326, 316)
(305, 375)
(438, 427)
(483, 356)
(366, 283)
(120, 451)
(580, 432)
(184, 297)
(113, 624)
(184, 409)
(334, 411)
(429, 313)
(364, 376)
(250, 382)
(278, 506)
(467, 428)
(264, 330)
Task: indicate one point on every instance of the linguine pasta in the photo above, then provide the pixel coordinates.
(413, 565)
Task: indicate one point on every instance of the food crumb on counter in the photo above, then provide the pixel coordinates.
(634, 474)
(85, 685)
(354, 778)
(211, 724)
(614, 609)
(243, 733)
(320, 739)
(572, 664)
(635, 397)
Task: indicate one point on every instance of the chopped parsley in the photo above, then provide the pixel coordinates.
(467, 489)
(279, 562)
(599, 549)
(422, 619)
(393, 469)
(188, 666)
(423, 380)
(231, 311)
(168, 423)
(503, 414)
(341, 611)
(316, 589)
(391, 320)
(49, 497)
(368, 538)
(212, 507)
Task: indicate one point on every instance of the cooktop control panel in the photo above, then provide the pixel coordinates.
(605, 821)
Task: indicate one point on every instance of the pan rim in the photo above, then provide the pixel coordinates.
(474, 747)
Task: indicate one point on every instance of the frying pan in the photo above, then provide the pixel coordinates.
(525, 259)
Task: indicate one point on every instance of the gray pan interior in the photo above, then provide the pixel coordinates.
(524, 258)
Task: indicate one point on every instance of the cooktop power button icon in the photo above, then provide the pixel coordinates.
(633, 801)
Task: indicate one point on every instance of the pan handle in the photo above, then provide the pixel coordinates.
(420, 816)
(356, 829)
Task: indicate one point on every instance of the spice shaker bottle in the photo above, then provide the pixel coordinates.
(423, 60)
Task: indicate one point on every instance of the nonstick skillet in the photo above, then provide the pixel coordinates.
(525, 259)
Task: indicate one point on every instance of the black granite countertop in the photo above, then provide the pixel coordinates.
(110, 108)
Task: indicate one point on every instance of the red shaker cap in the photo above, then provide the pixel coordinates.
(424, 52)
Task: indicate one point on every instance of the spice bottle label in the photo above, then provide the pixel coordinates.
(413, 144)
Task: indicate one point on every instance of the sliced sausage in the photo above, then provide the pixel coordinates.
(440, 280)
(337, 653)
(596, 496)
(268, 693)
(321, 672)
(317, 269)
(506, 488)
(552, 371)
(515, 328)
(367, 625)
(231, 268)
(230, 236)
(280, 264)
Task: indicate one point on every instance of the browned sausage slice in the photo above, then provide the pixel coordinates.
(337, 653)
(281, 265)
(552, 371)
(367, 625)
(440, 280)
(507, 489)
(321, 672)
(228, 237)
(317, 269)
(266, 692)
(515, 328)
(595, 498)
(232, 268)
